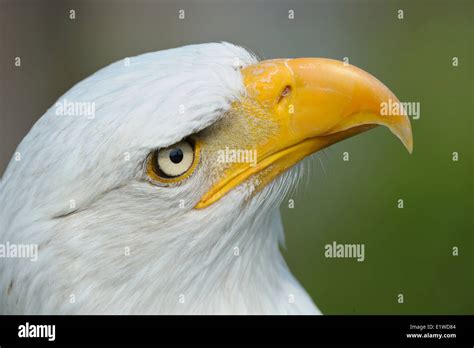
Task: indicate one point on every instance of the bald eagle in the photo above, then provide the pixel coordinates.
(164, 197)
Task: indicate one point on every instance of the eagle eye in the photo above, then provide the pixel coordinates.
(173, 163)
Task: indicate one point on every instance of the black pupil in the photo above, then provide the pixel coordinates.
(176, 155)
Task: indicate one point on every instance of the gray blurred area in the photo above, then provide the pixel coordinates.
(408, 251)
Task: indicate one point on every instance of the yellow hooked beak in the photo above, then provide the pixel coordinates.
(306, 104)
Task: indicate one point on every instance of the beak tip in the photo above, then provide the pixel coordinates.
(401, 128)
(407, 141)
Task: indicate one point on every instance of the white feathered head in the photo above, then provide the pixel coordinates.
(153, 185)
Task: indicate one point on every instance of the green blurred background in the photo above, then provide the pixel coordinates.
(407, 251)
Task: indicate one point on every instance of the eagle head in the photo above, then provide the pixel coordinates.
(153, 185)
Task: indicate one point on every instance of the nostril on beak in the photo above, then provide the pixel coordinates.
(286, 92)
